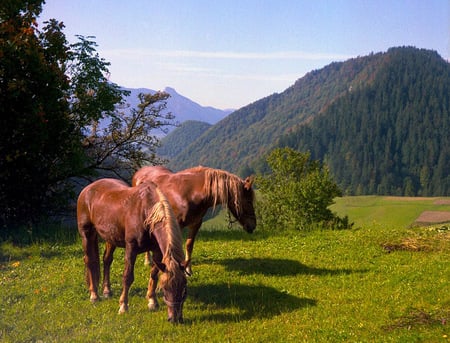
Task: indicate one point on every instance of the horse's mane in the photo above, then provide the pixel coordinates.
(220, 185)
(174, 255)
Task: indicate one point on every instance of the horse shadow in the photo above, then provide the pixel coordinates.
(279, 267)
(231, 302)
(235, 233)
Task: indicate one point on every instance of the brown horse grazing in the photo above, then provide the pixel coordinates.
(139, 219)
(193, 191)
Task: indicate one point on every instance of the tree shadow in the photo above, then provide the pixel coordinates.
(279, 267)
(244, 302)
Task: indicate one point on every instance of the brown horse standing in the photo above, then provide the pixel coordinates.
(193, 191)
(138, 219)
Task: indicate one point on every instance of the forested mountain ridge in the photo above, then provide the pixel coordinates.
(380, 122)
(391, 137)
(179, 138)
(248, 133)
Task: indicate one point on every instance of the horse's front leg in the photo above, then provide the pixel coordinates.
(107, 261)
(192, 232)
(153, 282)
(128, 277)
(151, 291)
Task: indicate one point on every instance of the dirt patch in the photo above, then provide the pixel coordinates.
(433, 217)
(442, 202)
(417, 318)
(395, 198)
(408, 244)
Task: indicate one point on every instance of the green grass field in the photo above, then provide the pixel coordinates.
(383, 281)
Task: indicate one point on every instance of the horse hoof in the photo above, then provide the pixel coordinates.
(94, 299)
(107, 295)
(153, 305)
(123, 309)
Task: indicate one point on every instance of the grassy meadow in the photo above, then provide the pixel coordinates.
(386, 280)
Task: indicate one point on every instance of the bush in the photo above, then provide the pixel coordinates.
(297, 193)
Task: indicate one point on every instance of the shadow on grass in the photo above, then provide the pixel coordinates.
(278, 267)
(244, 302)
(47, 241)
(236, 233)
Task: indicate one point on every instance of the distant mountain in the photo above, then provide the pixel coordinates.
(181, 107)
(380, 122)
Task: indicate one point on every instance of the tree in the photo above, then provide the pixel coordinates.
(54, 99)
(297, 192)
(117, 139)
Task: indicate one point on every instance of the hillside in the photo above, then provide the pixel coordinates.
(185, 134)
(380, 122)
(248, 133)
(390, 137)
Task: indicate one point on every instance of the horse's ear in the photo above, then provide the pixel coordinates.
(248, 182)
(161, 266)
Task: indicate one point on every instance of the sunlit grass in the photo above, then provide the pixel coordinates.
(279, 286)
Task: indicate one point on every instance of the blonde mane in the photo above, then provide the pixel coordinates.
(221, 185)
(174, 255)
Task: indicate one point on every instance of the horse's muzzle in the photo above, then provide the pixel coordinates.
(172, 320)
(250, 227)
(175, 309)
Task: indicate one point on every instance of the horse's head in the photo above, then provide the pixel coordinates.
(168, 235)
(174, 287)
(243, 209)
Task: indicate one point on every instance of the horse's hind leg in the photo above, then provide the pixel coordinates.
(147, 258)
(89, 240)
(108, 257)
(192, 232)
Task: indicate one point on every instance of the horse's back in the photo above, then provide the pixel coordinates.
(149, 173)
(102, 186)
(92, 198)
(116, 210)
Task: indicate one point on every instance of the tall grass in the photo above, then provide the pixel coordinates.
(278, 286)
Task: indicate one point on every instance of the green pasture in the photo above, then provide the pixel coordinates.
(396, 212)
(383, 281)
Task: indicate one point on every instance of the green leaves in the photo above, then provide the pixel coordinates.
(297, 193)
(53, 97)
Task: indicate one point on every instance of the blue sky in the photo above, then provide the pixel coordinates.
(227, 53)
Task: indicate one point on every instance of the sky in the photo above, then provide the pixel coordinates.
(230, 53)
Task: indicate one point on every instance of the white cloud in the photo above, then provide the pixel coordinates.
(278, 55)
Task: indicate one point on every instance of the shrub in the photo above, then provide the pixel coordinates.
(297, 193)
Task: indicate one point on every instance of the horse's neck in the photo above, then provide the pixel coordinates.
(161, 239)
(197, 193)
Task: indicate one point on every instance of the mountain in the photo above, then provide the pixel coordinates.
(380, 122)
(391, 136)
(179, 138)
(248, 133)
(183, 108)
